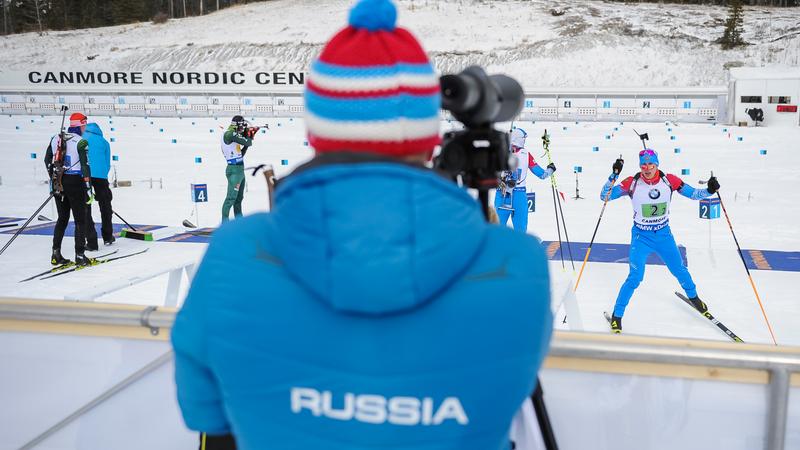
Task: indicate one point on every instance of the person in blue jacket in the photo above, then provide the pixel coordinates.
(650, 192)
(362, 311)
(100, 159)
(511, 199)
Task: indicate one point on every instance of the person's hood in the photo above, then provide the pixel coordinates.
(375, 237)
(94, 129)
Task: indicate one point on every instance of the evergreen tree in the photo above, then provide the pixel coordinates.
(127, 11)
(27, 15)
(732, 37)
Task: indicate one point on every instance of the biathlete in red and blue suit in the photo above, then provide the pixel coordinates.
(510, 198)
(650, 192)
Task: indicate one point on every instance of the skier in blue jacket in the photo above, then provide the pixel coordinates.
(650, 192)
(511, 199)
(100, 159)
(365, 311)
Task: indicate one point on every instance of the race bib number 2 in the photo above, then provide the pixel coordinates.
(654, 209)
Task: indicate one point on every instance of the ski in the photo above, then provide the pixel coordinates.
(710, 317)
(95, 262)
(62, 267)
(200, 233)
(9, 225)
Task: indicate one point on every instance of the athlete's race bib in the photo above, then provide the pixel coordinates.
(654, 209)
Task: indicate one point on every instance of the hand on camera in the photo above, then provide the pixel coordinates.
(713, 185)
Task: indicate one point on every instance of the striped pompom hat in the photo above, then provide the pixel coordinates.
(372, 88)
(77, 119)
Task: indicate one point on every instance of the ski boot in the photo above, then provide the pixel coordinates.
(109, 241)
(57, 259)
(82, 260)
(699, 304)
(616, 324)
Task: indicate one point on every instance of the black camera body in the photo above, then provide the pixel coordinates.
(478, 153)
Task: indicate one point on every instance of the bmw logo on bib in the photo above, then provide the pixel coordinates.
(654, 193)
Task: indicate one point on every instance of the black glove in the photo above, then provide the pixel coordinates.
(617, 167)
(713, 185)
(552, 167)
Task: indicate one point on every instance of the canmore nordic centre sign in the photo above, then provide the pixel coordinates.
(176, 81)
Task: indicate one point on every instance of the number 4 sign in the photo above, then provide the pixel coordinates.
(199, 193)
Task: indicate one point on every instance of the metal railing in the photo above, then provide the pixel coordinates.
(779, 362)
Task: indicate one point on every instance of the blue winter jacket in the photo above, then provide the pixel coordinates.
(99, 151)
(372, 308)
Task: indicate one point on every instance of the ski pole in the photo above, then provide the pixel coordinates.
(557, 199)
(596, 227)
(749, 276)
(26, 223)
(545, 143)
(126, 222)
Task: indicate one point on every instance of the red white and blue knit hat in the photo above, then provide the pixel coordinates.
(372, 88)
(77, 119)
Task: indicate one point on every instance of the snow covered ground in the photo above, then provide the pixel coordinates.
(543, 43)
(754, 188)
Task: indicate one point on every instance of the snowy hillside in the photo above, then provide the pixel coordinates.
(593, 43)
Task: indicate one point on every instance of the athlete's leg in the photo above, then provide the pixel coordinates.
(237, 205)
(63, 208)
(668, 250)
(520, 217)
(640, 249)
(502, 203)
(234, 177)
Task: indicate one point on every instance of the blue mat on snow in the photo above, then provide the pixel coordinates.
(47, 228)
(601, 252)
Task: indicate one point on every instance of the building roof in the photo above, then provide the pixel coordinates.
(764, 73)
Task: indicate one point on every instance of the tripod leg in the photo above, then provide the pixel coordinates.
(543, 418)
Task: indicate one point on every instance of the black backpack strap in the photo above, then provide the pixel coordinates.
(664, 177)
(635, 182)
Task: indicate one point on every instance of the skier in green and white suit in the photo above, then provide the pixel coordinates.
(235, 142)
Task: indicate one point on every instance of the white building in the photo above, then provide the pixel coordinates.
(776, 91)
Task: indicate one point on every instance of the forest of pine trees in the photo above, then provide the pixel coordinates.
(21, 16)
(781, 3)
